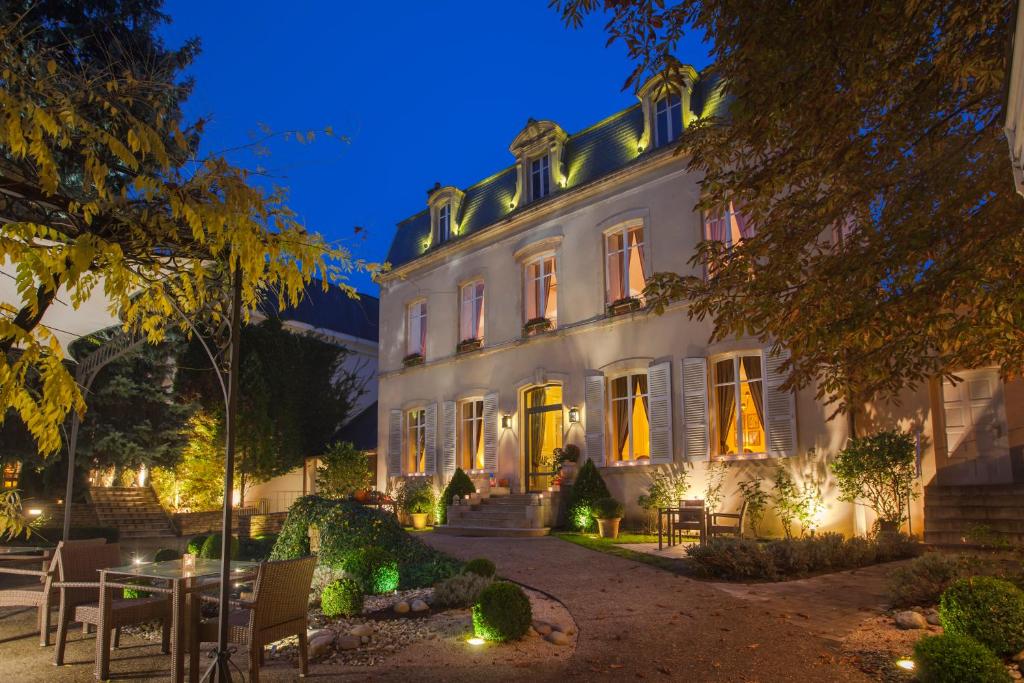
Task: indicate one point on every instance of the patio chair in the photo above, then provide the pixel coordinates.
(279, 608)
(715, 528)
(77, 572)
(690, 517)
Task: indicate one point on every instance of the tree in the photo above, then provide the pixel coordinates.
(196, 481)
(343, 471)
(878, 471)
(874, 122)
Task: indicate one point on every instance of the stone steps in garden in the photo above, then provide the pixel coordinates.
(134, 511)
(955, 514)
(504, 516)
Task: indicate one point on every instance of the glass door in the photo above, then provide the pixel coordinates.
(543, 414)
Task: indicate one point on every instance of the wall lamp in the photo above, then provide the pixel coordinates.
(574, 415)
(506, 422)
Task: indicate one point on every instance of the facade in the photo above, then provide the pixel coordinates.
(512, 324)
(1014, 123)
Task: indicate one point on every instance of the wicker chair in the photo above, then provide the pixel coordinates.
(79, 598)
(716, 529)
(279, 608)
(41, 595)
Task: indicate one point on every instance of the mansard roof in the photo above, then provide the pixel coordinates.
(335, 311)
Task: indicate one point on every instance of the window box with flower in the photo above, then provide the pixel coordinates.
(413, 359)
(624, 305)
(536, 326)
(467, 345)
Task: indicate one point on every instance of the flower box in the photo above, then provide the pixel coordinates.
(536, 326)
(413, 359)
(467, 345)
(626, 305)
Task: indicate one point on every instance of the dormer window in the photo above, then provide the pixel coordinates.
(540, 178)
(539, 150)
(444, 204)
(444, 223)
(665, 98)
(668, 118)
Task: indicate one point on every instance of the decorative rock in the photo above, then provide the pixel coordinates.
(910, 620)
(348, 642)
(401, 607)
(932, 617)
(558, 638)
(1019, 657)
(362, 630)
(364, 639)
(419, 606)
(542, 628)
(321, 644)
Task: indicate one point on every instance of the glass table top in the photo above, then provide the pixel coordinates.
(21, 549)
(175, 569)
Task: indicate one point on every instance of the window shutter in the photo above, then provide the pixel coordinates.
(448, 439)
(695, 408)
(594, 397)
(395, 443)
(491, 432)
(430, 440)
(780, 406)
(659, 413)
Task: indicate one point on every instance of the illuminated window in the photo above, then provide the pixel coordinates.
(11, 470)
(416, 441)
(630, 437)
(738, 405)
(540, 177)
(470, 437)
(541, 294)
(544, 432)
(729, 226)
(416, 330)
(626, 271)
(668, 119)
(471, 311)
(444, 222)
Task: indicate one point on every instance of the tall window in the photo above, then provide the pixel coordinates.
(668, 119)
(738, 388)
(471, 311)
(630, 429)
(728, 226)
(540, 177)
(416, 330)
(542, 290)
(626, 272)
(544, 433)
(444, 222)
(470, 437)
(416, 441)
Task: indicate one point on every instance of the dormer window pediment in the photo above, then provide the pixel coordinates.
(665, 98)
(540, 161)
(445, 213)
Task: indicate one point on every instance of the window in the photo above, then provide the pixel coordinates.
(416, 441)
(444, 223)
(471, 311)
(626, 271)
(540, 177)
(729, 227)
(544, 433)
(668, 119)
(542, 290)
(470, 437)
(738, 405)
(416, 331)
(630, 428)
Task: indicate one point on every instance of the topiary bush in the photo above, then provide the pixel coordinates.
(460, 485)
(374, 569)
(608, 508)
(952, 658)
(480, 566)
(923, 580)
(987, 609)
(165, 554)
(212, 546)
(195, 544)
(461, 590)
(588, 488)
(502, 613)
(342, 597)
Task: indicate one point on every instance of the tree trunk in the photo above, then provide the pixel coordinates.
(26, 319)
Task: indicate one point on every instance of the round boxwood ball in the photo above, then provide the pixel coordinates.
(502, 613)
(211, 547)
(951, 658)
(987, 609)
(165, 554)
(374, 569)
(195, 544)
(480, 566)
(342, 597)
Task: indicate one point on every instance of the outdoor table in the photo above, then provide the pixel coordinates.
(14, 554)
(182, 584)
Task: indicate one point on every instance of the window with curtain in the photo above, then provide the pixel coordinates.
(444, 222)
(470, 437)
(416, 441)
(540, 177)
(729, 226)
(625, 262)
(471, 311)
(668, 119)
(737, 386)
(416, 329)
(541, 294)
(630, 437)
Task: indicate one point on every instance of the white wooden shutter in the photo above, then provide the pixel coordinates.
(491, 432)
(780, 406)
(430, 439)
(448, 440)
(659, 411)
(395, 443)
(695, 408)
(594, 397)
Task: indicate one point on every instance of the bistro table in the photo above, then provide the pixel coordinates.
(182, 583)
(14, 554)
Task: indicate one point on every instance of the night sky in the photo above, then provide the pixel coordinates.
(427, 91)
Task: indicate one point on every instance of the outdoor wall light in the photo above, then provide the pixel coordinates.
(506, 422)
(574, 415)
(35, 512)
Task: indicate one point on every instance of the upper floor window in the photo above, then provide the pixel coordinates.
(416, 329)
(729, 226)
(626, 271)
(541, 295)
(470, 436)
(540, 177)
(444, 222)
(630, 435)
(471, 311)
(416, 441)
(737, 384)
(668, 119)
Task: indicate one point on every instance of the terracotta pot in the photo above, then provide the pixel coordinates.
(608, 528)
(363, 496)
(419, 520)
(888, 528)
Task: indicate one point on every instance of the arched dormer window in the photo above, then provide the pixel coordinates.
(540, 169)
(445, 204)
(666, 105)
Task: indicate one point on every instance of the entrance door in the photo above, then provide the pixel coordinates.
(977, 439)
(543, 430)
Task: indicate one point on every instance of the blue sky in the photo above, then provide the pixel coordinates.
(426, 91)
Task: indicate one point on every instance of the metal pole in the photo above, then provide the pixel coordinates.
(69, 489)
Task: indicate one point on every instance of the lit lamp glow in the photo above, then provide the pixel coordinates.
(35, 512)
(475, 641)
(907, 664)
(574, 415)
(506, 422)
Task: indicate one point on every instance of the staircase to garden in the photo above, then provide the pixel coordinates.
(514, 516)
(976, 515)
(134, 511)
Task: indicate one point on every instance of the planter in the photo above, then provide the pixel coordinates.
(419, 520)
(467, 345)
(536, 326)
(412, 359)
(568, 472)
(627, 305)
(608, 528)
(888, 528)
(362, 496)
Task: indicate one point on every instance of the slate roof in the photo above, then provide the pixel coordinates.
(594, 152)
(334, 310)
(361, 430)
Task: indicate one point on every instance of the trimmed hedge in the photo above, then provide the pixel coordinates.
(343, 597)
(480, 566)
(607, 508)
(588, 488)
(951, 658)
(195, 544)
(987, 609)
(212, 546)
(460, 485)
(502, 613)
(374, 569)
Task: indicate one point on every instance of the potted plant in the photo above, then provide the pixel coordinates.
(467, 345)
(413, 359)
(566, 459)
(878, 471)
(536, 326)
(417, 500)
(608, 513)
(626, 304)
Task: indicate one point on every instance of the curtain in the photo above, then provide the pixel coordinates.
(746, 228)
(642, 433)
(478, 432)
(620, 404)
(536, 428)
(479, 306)
(725, 402)
(752, 368)
(637, 267)
(550, 292)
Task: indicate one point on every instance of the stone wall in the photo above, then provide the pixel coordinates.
(242, 524)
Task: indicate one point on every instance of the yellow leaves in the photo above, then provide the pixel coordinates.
(51, 67)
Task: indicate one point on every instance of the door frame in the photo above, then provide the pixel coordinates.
(524, 421)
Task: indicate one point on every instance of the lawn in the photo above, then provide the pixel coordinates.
(614, 547)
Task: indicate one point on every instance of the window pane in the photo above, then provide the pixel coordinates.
(662, 125)
(550, 293)
(724, 372)
(637, 269)
(532, 295)
(725, 418)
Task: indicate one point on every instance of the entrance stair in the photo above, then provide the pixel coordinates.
(133, 510)
(520, 515)
(974, 515)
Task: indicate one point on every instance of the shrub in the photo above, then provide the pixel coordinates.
(756, 500)
(878, 472)
(257, 547)
(461, 590)
(987, 609)
(165, 554)
(343, 471)
(416, 496)
(195, 544)
(480, 566)
(733, 558)
(460, 485)
(588, 488)
(502, 612)
(668, 486)
(212, 545)
(607, 508)
(323, 576)
(951, 658)
(923, 581)
(342, 597)
(374, 569)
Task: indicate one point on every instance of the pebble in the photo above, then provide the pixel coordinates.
(558, 638)
(401, 607)
(932, 617)
(419, 606)
(909, 619)
(362, 630)
(542, 628)
(320, 645)
(349, 642)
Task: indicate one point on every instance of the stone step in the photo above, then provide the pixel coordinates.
(964, 526)
(510, 523)
(972, 512)
(953, 538)
(977, 490)
(993, 500)
(521, 532)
